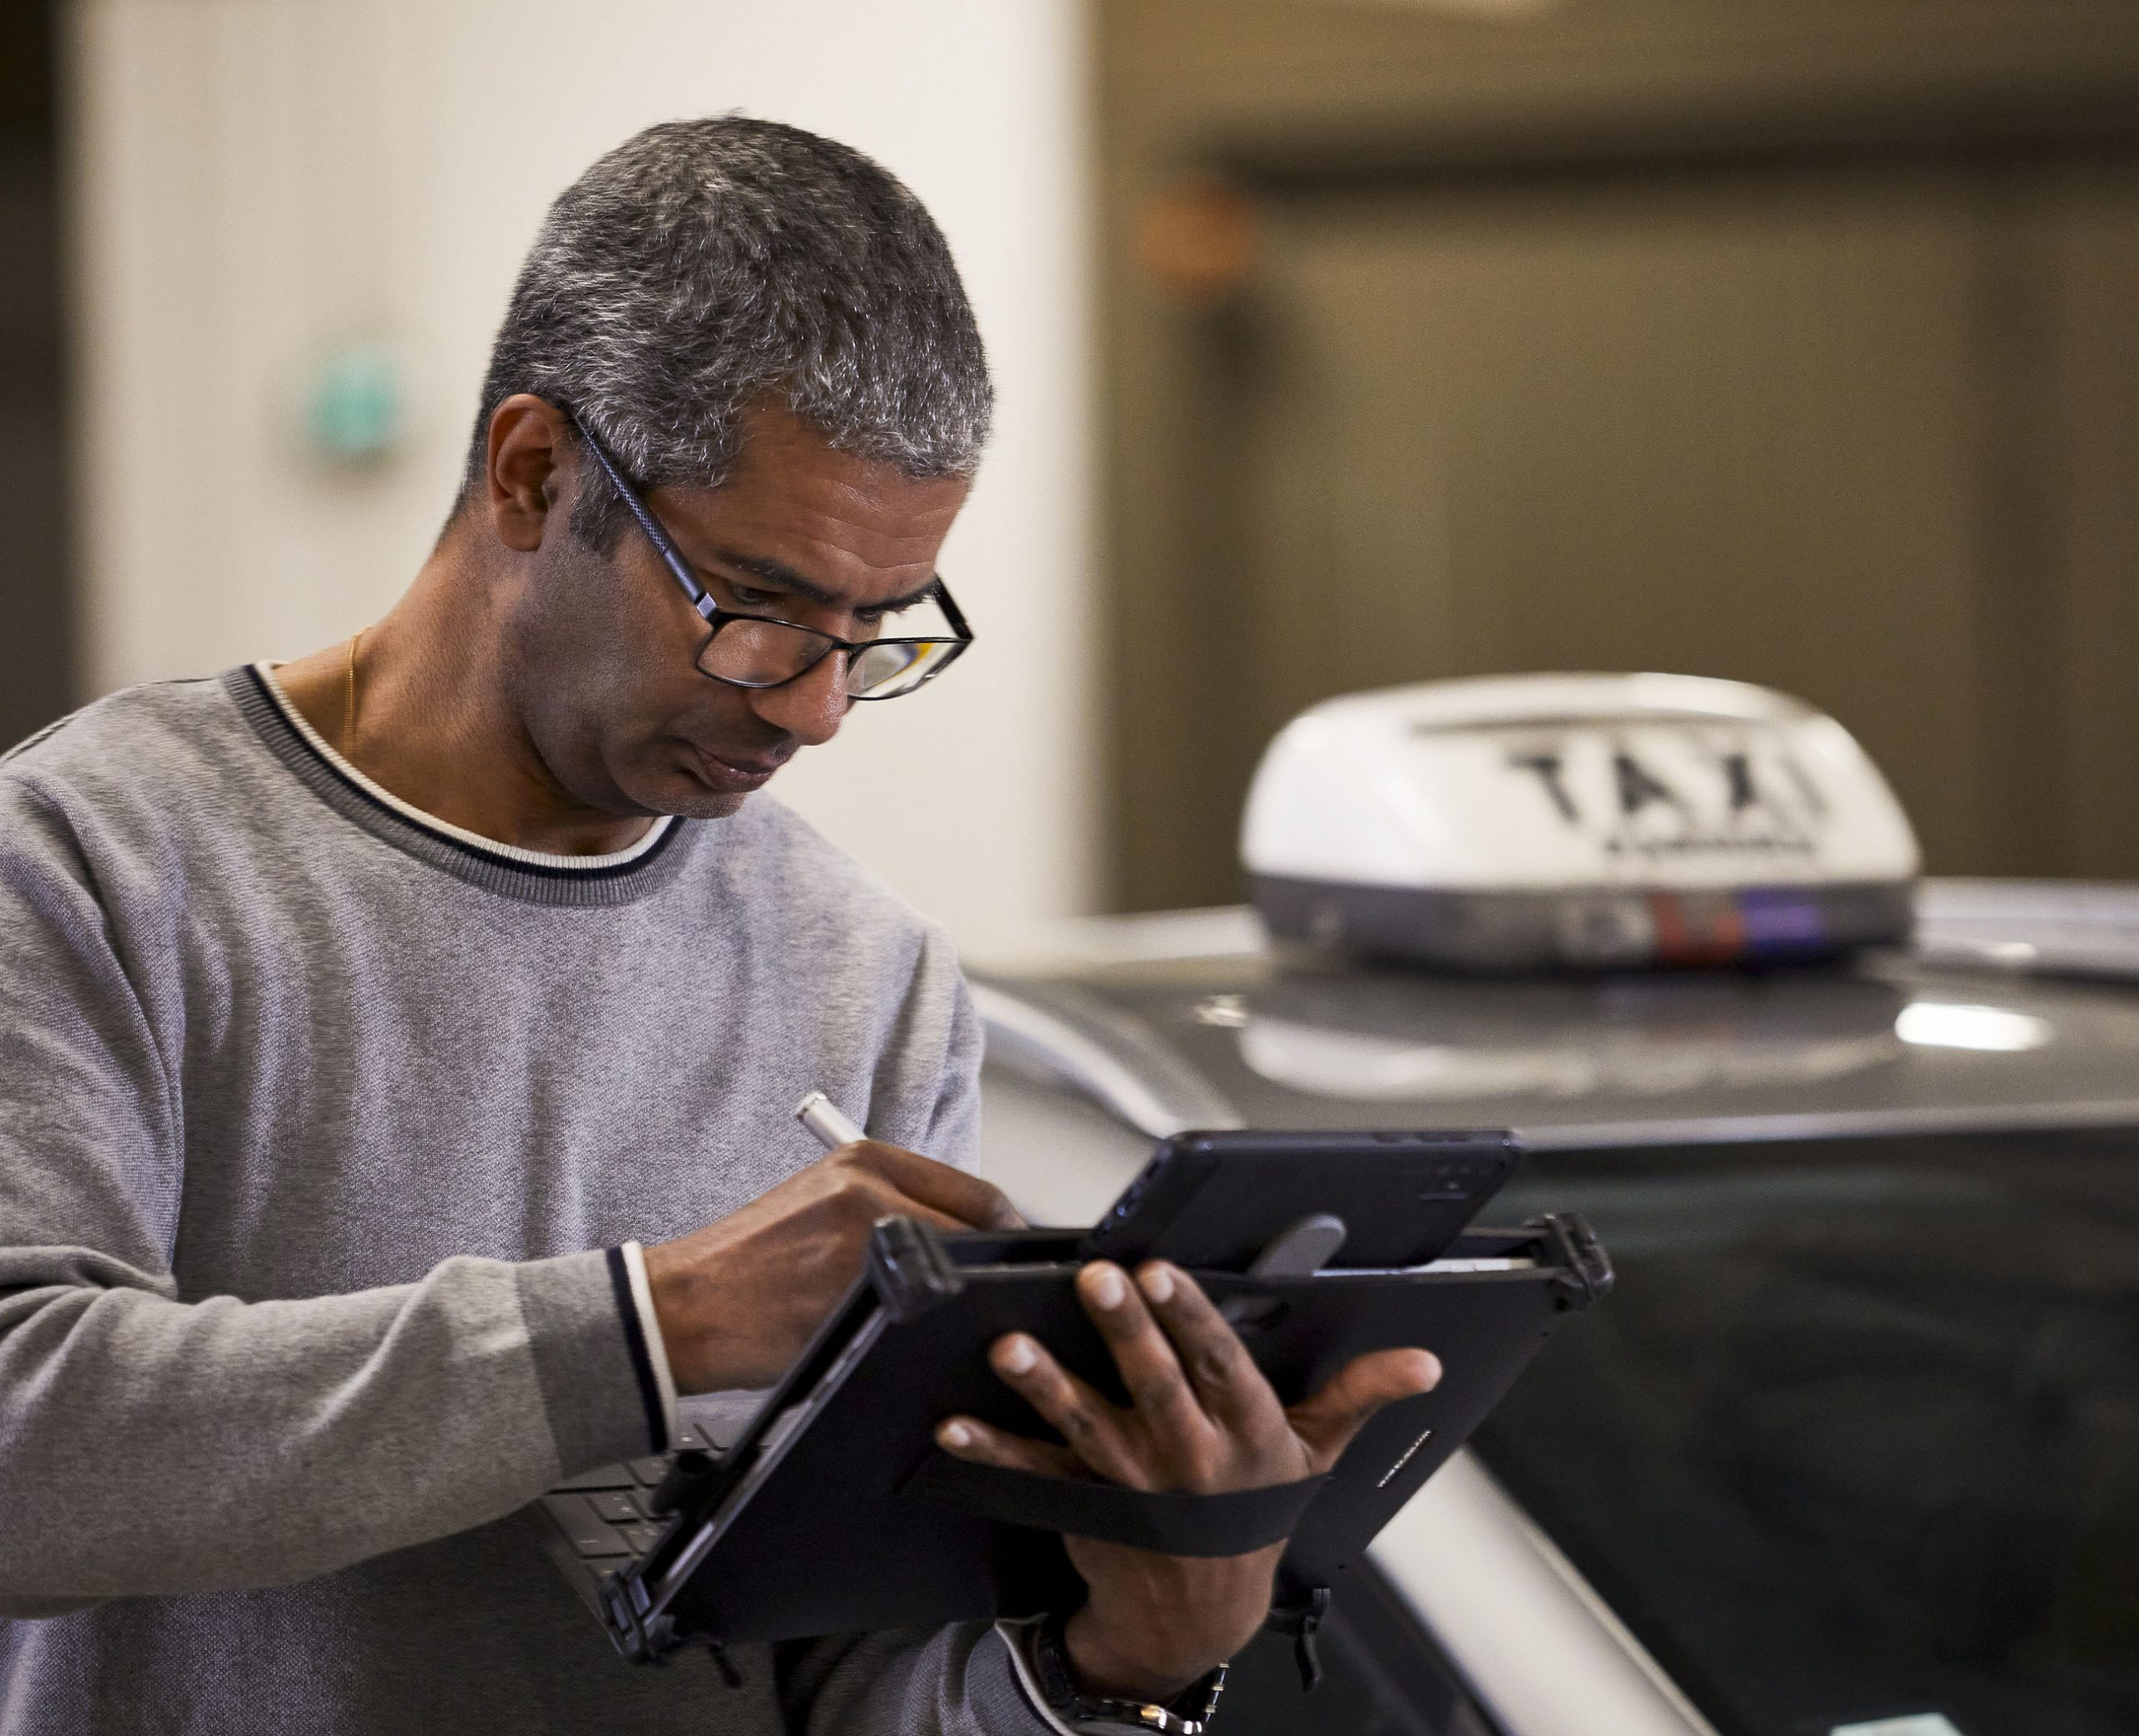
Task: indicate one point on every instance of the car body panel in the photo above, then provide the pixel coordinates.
(1233, 1034)
(1897, 1079)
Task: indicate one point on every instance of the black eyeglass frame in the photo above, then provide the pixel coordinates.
(716, 617)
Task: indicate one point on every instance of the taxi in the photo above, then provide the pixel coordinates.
(1853, 1449)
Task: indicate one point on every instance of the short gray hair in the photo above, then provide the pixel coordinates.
(708, 265)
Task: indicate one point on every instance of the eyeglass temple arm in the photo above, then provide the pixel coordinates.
(952, 612)
(701, 598)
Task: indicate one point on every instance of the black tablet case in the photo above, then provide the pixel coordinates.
(851, 1519)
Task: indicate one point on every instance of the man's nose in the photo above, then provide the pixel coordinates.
(811, 707)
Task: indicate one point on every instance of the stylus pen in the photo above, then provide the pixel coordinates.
(833, 1125)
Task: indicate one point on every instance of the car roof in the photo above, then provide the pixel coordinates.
(2015, 1008)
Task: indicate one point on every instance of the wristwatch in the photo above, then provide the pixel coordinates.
(1187, 1713)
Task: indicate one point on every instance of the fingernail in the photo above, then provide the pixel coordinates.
(954, 1434)
(1019, 1355)
(1105, 1287)
(1158, 1282)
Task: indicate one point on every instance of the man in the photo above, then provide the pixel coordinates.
(399, 1045)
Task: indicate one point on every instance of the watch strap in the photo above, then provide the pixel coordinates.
(1187, 1713)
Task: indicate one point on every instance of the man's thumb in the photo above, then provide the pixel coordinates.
(1329, 1417)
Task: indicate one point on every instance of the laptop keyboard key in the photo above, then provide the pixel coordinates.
(620, 1509)
(718, 1436)
(605, 1476)
(591, 1535)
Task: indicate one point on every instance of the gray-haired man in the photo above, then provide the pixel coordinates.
(365, 1014)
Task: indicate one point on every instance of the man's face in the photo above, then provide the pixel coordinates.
(800, 531)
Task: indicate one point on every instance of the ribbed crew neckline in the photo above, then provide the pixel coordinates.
(537, 877)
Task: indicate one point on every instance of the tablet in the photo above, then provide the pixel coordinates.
(835, 1512)
(1217, 1201)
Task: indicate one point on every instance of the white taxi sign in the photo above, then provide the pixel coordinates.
(1657, 816)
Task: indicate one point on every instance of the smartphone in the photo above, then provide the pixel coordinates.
(1215, 1200)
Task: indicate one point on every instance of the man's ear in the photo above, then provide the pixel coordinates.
(526, 460)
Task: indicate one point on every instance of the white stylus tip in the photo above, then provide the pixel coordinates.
(833, 1125)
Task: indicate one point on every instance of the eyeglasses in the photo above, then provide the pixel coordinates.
(759, 651)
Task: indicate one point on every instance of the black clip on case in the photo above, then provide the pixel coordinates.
(835, 1512)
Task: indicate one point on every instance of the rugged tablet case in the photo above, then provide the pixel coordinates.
(1408, 1195)
(835, 1512)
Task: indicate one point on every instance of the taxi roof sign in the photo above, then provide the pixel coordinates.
(1587, 820)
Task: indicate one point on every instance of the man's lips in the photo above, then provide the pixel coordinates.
(732, 776)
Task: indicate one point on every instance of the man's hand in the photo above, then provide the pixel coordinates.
(1202, 1420)
(737, 1300)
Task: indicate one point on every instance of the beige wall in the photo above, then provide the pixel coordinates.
(260, 181)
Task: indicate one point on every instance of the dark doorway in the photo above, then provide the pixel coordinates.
(36, 647)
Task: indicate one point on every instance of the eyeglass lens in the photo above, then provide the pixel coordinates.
(763, 653)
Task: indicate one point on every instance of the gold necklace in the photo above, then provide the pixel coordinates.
(349, 700)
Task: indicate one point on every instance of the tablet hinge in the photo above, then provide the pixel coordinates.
(1585, 1269)
(908, 1268)
(641, 1637)
(1300, 1616)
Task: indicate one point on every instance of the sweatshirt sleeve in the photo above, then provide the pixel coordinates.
(964, 1680)
(153, 1445)
(954, 1121)
(926, 1091)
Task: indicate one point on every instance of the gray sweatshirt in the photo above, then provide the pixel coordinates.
(317, 1123)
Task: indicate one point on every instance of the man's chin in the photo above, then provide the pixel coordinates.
(706, 806)
(680, 790)
(685, 799)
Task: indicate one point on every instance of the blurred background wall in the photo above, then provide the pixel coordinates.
(297, 224)
(1395, 339)
(1792, 342)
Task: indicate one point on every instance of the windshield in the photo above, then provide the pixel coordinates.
(1856, 1436)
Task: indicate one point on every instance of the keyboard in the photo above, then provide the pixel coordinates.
(604, 1518)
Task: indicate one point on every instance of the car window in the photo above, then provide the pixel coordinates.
(1856, 1436)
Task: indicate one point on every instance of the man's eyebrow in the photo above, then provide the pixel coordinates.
(776, 572)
